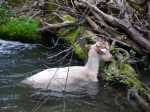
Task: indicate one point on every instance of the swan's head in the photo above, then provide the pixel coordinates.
(102, 49)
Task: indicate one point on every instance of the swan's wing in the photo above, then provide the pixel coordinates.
(56, 78)
(40, 78)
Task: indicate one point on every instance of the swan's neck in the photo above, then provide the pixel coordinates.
(92, 64)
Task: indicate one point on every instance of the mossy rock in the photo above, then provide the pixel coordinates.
(22, 28)
(124, 74)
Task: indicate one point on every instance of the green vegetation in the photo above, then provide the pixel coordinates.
(69, 35)
(78, 51)
(118, 72)
(21, 28)
(17, 28)
(68, 18)
(25, 29)
(123, 74)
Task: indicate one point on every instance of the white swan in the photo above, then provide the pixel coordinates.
(71, 78)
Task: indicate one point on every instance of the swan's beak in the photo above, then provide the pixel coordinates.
(106, 55)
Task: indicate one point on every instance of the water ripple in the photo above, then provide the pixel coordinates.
(10, 47)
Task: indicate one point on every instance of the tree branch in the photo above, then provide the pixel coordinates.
(58, 25)
(124, 25)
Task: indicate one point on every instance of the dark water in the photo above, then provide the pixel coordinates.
(18, 60)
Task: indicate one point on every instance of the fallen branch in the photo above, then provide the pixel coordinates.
(92, 23)
(58, 25)
(124, 25)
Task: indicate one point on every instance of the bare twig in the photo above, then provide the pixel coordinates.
(58, 25)
(35, 14)
(66, 50)
(62, 58)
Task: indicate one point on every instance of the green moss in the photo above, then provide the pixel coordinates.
(69, 35)
(132, 78)
(19, 29)
(68, 18)
(78, 51)
(124, 74)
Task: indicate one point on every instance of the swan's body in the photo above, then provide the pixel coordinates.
(73, 78)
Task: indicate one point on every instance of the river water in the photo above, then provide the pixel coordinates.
(19, 60)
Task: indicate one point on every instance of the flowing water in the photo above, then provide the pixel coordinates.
(19, 60)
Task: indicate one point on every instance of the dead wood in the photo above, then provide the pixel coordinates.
(54, 26)
(124, 25)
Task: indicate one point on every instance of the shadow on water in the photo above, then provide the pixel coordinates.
(19, 60)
